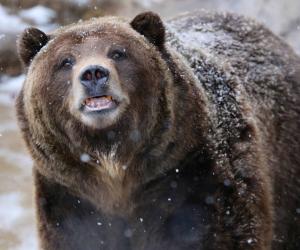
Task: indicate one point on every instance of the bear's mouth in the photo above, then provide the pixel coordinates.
(99, 103)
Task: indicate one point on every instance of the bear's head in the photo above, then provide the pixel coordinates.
(111, 93)
(98, 77)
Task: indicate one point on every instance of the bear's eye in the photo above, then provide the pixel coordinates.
(118, 54)
(67, 63)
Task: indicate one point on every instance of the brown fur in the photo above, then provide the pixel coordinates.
(200, 156)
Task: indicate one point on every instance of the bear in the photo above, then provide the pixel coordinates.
(150, 134)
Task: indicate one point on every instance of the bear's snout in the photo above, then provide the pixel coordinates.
(94, 78)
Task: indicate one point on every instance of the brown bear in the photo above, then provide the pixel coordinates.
(148, 135)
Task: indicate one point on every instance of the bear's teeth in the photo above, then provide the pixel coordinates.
(98, 103)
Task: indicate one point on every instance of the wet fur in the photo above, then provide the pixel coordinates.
(205, 172)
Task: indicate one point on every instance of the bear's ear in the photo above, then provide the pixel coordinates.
(30, 43)
(151, 26)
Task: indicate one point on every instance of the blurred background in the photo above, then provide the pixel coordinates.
(17, 225)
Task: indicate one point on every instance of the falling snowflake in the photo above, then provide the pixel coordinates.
(85, 158)
(128, 233)
(249, 241)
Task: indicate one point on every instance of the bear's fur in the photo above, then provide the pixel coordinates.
(201, 153)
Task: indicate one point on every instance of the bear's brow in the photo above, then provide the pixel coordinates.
(100, 32)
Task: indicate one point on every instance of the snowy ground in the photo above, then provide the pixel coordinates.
(17, 226)
(17, 229)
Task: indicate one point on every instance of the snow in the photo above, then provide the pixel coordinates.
(10, 156)
(12, 215)
(10, 209)
(249, 241)
(85, 158)
(16, 210)
(6, 100)
(148, 3)
(128, 233)
(80, 2)
(10, 23)
(11, 84)
(28, 240)
(39, 14)
(227, 182)
(9, 87)
(196, 36)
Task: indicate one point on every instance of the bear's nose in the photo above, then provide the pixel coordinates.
(94, 76)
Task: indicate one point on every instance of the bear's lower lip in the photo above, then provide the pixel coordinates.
(99, 103)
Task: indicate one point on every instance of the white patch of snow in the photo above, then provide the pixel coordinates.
(227, 182)
(10, 209)
(13, 215)
(6, 100)
(13, 24)
(148, 3)
(85, 158)
(7, 126)
(11, 84)
(10, 23)
(39, 14)
(28, 240)
(249, 241)
(195, 38)
(10, 156)
(80, 2)
(9, 87)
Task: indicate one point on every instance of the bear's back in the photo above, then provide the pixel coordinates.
(229, 53)
(245, 49)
